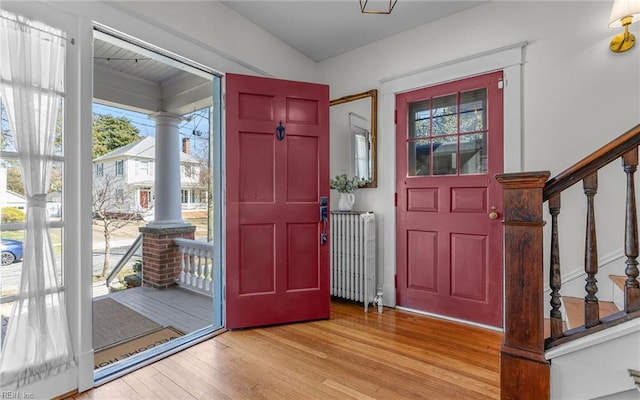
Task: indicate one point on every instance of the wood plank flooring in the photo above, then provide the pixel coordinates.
(394, 355)
(177, 307)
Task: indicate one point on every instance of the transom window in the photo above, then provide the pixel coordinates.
(448, 134)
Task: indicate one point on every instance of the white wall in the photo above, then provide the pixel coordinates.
(577, 96)
(221, 38)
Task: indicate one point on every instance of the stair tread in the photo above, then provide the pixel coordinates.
(618, 280)
(574, 309)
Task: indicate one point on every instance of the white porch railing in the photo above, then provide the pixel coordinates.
(196, 265)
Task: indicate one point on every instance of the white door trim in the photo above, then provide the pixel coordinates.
(509, 59)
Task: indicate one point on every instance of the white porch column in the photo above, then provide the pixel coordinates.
(167, 206)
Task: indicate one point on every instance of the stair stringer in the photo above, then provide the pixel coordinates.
(597, 365)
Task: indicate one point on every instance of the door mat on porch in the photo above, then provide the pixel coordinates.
(113, 322)
(130, 347)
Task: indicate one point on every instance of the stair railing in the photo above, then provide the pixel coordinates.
(124, 260)
(524, 367)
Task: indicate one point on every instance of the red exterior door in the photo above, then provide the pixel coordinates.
(277, 168)
(144, 199)
(449, 145)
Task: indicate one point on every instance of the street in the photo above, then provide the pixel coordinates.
(10, 274)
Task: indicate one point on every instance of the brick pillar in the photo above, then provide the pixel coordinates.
(161, 258)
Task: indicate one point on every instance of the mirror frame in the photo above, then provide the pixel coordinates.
(373, 95)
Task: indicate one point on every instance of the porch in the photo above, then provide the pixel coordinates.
(183, 309)
(395, 354)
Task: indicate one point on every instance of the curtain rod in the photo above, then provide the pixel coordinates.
(70, 40)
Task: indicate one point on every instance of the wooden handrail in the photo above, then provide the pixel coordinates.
(593, 162)
(524, 367)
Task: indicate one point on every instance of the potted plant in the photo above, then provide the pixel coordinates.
(345, 186)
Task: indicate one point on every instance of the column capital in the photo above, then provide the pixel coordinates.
(167, 116)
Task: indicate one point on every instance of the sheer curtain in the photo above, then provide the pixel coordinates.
(37, 342)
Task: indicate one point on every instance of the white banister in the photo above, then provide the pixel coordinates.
(196, 265)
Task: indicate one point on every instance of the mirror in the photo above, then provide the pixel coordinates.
(353, 136)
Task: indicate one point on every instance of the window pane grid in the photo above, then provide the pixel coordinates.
(447, 135)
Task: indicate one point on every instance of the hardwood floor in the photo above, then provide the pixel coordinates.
(394, 355)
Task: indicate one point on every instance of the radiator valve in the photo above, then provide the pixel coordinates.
(377, 300)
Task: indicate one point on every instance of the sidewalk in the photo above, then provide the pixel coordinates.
(99, 246)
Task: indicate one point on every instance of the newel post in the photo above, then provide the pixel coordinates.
(524, 371)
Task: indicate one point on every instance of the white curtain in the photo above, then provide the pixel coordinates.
(37, 342)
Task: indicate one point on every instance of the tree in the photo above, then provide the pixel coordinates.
(110, 133)
(111, 209)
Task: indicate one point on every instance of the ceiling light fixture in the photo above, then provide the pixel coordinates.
(623, 13)
(370, 10)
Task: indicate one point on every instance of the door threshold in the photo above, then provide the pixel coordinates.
(462, 321)
(121, 368)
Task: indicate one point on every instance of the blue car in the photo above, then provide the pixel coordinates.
(11, 251)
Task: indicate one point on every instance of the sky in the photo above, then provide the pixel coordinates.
(199, 123)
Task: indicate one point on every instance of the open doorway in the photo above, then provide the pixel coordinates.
(134, 319)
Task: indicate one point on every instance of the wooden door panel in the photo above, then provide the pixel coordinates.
(469, 266)
(277, 270)
(302, 251)
(469, 200)
(449, 253)
(302, 162)
(302, 111)
(422, 265)
(423, 199)
(256, 107)
(257, 263)
(257, 184)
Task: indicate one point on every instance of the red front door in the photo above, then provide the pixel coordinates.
(277, 168)
(449, 145)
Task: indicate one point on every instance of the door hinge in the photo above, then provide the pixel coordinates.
(395, 116)
(395, 199)
(502, 83)
(395, 281)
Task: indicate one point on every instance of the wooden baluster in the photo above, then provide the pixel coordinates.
(191, 267)
(555, 282)
(631, 286)
(182, 265)
(207, 271)
(591, 311)
(199, 269)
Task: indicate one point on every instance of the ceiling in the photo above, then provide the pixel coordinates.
(322, 29)
(142, 80)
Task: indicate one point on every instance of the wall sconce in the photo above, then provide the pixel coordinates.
(623, 13)
(365, 10)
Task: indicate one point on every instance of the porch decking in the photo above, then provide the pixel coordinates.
(180, 308)
(393, 355)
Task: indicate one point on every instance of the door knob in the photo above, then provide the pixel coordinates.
(493, 214)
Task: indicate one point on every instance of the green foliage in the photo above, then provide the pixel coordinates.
(11, 214)
(110, 133)
(345, 185)
(14, 180)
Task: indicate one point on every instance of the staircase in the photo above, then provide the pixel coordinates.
(587, 348)
(597, 366)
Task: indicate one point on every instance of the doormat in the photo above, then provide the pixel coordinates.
(114, 322)
(128, 348)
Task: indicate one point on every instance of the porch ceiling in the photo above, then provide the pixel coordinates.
(142, 80)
